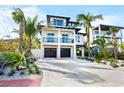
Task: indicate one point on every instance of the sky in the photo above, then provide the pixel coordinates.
(113, 15)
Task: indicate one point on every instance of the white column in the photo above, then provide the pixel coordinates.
(42, 51)
(82, 50)
(58, 48)
(74, 55)
(58, 51)
(74, 46)
(99, 30)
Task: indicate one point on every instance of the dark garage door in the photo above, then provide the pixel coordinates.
(50, 52)
(65, 52)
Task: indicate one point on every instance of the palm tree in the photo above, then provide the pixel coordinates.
(31, 29)
(85, 20)
(102, 50)
(101, 43)
(113, 31)
(19, 18)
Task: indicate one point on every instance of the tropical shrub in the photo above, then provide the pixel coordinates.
(36, 44)
(98, 58)
(121, 56)
(8, 46)
(113, 62)
(122, 46)
(33, 69)
(17, 61)
(13, 59)
(114, 65)
(105, 54)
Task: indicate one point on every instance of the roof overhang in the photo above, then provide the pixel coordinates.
(58, 16)
(107, 27)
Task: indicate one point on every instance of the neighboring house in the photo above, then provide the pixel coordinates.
(62, 39)
(101, 31)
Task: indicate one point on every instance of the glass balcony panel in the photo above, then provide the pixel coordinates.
(50, 40)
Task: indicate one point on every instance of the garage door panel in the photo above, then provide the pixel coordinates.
(50, 52)
(65, 52)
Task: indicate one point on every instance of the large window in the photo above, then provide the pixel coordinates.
(58, 22)
(50, 37)
(65, 38)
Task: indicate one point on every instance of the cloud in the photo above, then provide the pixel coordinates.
(110, 20)
(32, 11)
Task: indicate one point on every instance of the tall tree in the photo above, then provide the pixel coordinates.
(113, 31)
(85, 21)
(31, 29)
(19, 18)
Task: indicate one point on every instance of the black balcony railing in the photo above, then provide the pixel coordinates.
(50, 40)
(67, 40)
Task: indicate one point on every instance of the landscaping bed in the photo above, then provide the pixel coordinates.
(19, 70)
(19, 79)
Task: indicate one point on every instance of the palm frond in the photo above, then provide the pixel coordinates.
(97, 17)
(15, 31)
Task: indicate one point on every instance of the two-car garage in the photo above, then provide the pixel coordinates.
(52, 52)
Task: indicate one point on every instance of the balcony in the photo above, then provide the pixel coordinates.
(50, 40)
(55, 40)
(66, 40)
(58, 24)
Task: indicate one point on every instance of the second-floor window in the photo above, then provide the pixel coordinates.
(50, 37)
(58, 22)
(65, 38)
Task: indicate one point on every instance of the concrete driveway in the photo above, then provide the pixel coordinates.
(79, 73)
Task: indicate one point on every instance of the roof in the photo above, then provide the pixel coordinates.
(81, 33)
(58, 16)
(107, 27)
(109, 37)
(72, 21)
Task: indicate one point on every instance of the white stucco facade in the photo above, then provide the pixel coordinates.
(62, 39)
(58, 32)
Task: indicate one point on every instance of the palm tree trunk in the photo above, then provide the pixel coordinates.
(21, 37)
(115, 46)
(30, 43)
(88, 44)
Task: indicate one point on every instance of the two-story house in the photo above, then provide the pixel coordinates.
(101, 31)
(62, 39)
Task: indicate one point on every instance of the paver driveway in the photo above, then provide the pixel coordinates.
(78, 73)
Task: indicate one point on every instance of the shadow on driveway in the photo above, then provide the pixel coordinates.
(81, 77)
(67, 65)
